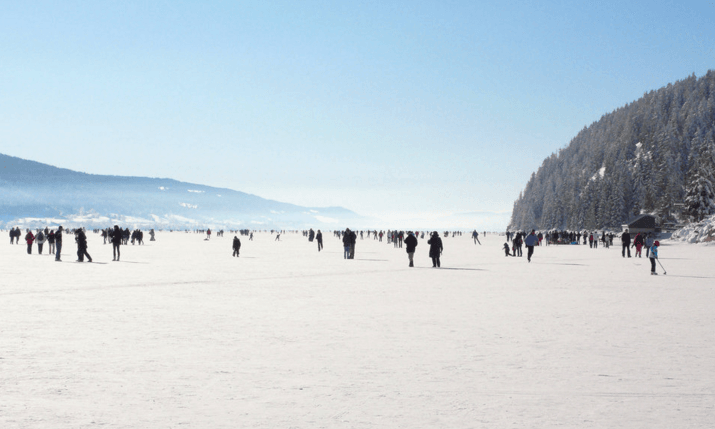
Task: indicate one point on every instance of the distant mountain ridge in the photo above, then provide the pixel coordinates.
(655, 155)
(34, 192)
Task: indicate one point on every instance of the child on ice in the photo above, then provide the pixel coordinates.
(506, 249)
(653, 257)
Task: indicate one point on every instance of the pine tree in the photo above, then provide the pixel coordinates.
(699, 198)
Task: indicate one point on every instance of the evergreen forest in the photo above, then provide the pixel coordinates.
(655, 155)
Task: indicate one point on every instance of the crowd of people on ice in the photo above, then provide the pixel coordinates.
(640, 241)
(54, 239)
(515, 241)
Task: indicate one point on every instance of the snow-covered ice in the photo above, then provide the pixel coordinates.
(181, 334)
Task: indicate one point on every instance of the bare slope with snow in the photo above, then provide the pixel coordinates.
(181, 334)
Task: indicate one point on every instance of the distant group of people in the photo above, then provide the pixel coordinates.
(640, 241)
(116, 236)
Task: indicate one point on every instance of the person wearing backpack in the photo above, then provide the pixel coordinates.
(40, 238)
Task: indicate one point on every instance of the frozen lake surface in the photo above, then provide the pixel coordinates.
(181, 334)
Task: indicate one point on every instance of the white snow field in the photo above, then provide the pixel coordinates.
(181, 334)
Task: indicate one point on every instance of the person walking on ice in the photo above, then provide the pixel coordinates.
(29, 238)
(81, 240)
(40, 238)
(116, 242)
(236, 246)
(411, 244)
(319, 238)
(531, 241)
(653, 257)
(435, 249)
(58, 243)
(626, 243)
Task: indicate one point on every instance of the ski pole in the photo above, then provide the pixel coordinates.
(661, 266)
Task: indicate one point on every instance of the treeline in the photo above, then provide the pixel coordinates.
(655, 155)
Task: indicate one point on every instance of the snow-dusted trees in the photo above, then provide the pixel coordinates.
(699, 198)
(650, 156)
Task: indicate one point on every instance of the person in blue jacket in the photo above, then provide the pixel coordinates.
(653, 256)
(531, 241)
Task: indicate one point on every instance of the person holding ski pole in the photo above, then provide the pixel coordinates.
(653, 257)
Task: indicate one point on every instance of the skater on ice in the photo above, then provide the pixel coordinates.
(475, 236)
(653, 257)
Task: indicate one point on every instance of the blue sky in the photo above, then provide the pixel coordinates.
(391, 109)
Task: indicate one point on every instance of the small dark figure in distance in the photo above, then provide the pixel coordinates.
(236, 246)
(411, 244)
(475, 236)
(58, 243)
(116, 242)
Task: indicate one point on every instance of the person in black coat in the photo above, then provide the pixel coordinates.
(411, 244)
(236, 246)
(81, 240)
(626, 243)
(117, 237)
(435, 249)
(353, 240)
(319, 238)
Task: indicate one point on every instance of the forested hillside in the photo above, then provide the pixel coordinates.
(655, 155)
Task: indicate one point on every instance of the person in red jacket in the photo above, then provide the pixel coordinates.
(29, 238)
(638, 244)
